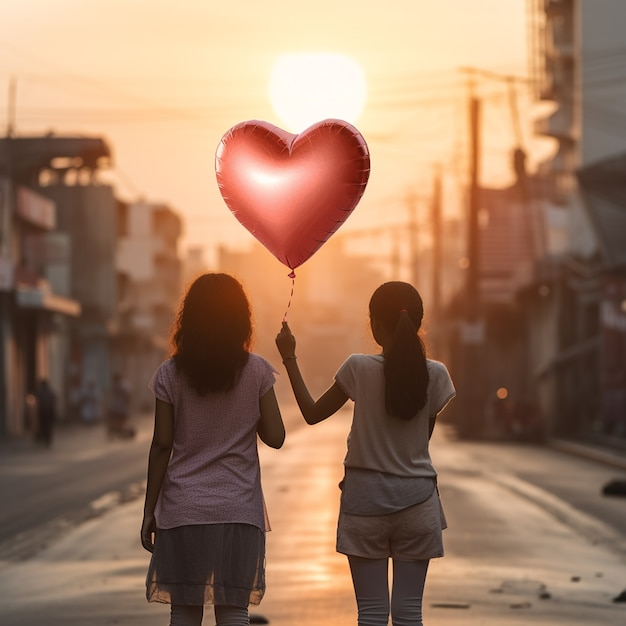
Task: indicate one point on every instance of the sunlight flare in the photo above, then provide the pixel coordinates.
(306, 88)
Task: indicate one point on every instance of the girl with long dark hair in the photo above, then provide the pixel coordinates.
(204, 516)
(390, 505)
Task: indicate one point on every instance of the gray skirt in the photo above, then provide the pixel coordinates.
(220, 564)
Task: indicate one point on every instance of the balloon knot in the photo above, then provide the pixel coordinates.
(291, 274)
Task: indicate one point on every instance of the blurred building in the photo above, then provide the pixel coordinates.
(562, 351)
(194, 264)
(149, 284)
(603, 280)
(35, 310)
(79, 269)
(576, 63)
(326, 305)
(87, 219)
(550, 336)
(489, 353)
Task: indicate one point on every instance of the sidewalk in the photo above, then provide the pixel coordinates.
(69, 437)
(608, 456)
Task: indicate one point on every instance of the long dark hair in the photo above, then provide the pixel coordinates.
(212, 332)
(399, 309)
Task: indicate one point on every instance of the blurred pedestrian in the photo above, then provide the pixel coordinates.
(31, 419)
(90, 409)
(46, 412)
(389, 505)
(204, 514)
(119, 409)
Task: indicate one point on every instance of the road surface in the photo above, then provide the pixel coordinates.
(518, 551)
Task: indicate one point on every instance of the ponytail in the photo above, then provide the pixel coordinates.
(406, 374)
(405, 368)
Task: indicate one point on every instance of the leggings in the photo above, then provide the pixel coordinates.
(185, 615)
(371, 587)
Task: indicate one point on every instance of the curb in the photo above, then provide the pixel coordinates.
(607, 457)
(594, 530)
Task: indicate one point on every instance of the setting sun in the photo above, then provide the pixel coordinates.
(307, 88)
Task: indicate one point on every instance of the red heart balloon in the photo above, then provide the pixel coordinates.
(292, 192)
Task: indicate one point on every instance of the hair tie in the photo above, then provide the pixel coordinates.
(403, 311)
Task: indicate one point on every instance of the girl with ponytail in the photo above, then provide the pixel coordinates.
(390, 505)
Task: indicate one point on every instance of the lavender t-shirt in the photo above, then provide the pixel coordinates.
(213, 475)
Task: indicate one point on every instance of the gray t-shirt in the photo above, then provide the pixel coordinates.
(388, 465)
(367, 492)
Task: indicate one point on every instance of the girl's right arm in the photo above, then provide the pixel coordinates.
(159, 457)
(313, 411)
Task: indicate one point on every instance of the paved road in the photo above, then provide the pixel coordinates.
(46, 490)
(551, 470)
(515, 553)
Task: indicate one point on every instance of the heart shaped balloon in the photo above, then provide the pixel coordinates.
(292, 192)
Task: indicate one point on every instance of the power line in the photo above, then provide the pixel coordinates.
(431, 93)
(101, 86)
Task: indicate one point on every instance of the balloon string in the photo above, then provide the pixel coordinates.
(292, 275)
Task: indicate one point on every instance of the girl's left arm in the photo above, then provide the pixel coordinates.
(271, 428)
(313, 411)
(160, 451)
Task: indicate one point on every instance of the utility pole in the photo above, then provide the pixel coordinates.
(435, 307)
(473, 327)
(395, 254)
(6, 212)
(473, 251)
(435, 218)
(413, 239)
(11, 102)
(511, 82)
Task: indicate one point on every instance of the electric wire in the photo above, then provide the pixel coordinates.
(427, 95)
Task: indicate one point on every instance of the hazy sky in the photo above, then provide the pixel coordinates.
(163, 80)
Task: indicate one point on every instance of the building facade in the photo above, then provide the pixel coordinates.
(34, 314)
(576, 61)
(149, 273)
(87, 283)
(576, 56)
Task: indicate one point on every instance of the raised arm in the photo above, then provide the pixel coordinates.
(313, 411)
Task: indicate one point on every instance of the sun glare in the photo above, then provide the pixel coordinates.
(310, 87)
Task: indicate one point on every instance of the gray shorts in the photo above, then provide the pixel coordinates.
(412, 534)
